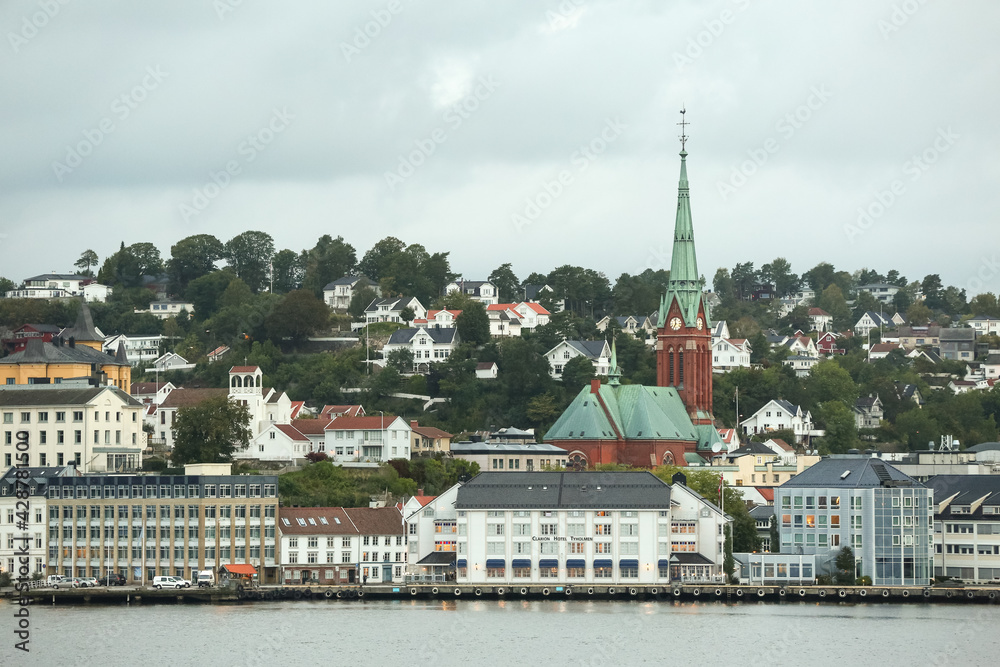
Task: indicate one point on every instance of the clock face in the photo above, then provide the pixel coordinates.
(675, 323)
(701, 323)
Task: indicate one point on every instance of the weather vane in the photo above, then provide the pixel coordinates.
(683, 124)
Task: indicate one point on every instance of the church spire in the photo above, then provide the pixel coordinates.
(685, 281)
(613, 373)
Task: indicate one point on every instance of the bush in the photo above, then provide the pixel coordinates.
(154, 465)
(824, 580)
(863, 581)
(4, 579)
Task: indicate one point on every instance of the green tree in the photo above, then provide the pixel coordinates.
(832, 301)
(286, 271)
(506, 283)
(919, 314)
(376, 263)
(210, 432)
(205, 292)
(779, 272)
(474, 324)
(401, 359)
(933, 291)
(775, 538)
(296, 316)
(407, 315)
(121, 269)
(362, 299)
(841, 427)
(330, 259)
(744, 278)
(828, 381)
(6, 285)
(190, 258)
(87, 260)
(820, 277)
(984, 305)
(577, 373)
(249, 256)
(728, 562)
(846, 566)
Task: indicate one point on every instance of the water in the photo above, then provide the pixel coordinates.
(427, 633)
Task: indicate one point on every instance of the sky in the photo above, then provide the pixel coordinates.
(861, 133)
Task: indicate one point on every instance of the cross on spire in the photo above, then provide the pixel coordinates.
(683, 136)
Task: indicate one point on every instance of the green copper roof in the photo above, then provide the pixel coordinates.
(636, 411)
(685, 281)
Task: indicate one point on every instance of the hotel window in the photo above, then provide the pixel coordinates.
(834, 521)
(495, 548)
(494, 572)
(602, 547)
(602, 529)
(603, 572)
(548, 528)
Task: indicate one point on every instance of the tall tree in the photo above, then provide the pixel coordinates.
(210, 432)
(87, 260)
(474, 324)
(832, 300)
(205, 292)
(190, 258)
(330, 259)
(249, 255)
(819, 277)
(933, 291)
(147, 257)
(506, 283)
(286, 271)
(577, 373)
(779, 272)
(744, 279)
(121, 269)
(376, 262)
(298, 315)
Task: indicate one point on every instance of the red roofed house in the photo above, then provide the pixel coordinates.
(882, 350)
(438, 318)
(427, 440)
(337, 545)
(826, 343)
(331, 411)
(278, 443)
(374, 439)
(821, 320)
(532, 314)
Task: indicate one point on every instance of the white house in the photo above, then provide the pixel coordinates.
(882, 350)
(532, 314)
(278, 443)
(150, 392)
(597, 351)
(779, 414)
(482, 291)
(329, 546)
(389, 310)
(505, 322)
(868, 412)
(171, 361)
(31, 510)
(720, 330)
(801, 345)
(884, 292)
(427, 345)
(801, 364)
(168, 308)
(138, 349)
(339, 293)
(374, 439)
(96, 292)
(983, 324)
(486, 370)
(870, 321)
(821, 320)
(438, 318)
(730, 353)
(431, 534)
(51, 285)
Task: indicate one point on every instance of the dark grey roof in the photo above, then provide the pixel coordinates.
(866, 402)
(984, 447)
(470, 448)
(531, 291)
(39, 352)
(37, 479)
(394, 303)
(84, 328)
(56, 276)
(682, 558)
(956, 334)
(970, 488)
(346, 280)
(438, 558)
(791, 409)
(562, 490)
(42, 328)
(591, 348)
(26, 397)
(761, 512)
(436, 334)
(751, 448)
(862, 472)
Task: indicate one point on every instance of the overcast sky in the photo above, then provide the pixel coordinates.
(451, 124)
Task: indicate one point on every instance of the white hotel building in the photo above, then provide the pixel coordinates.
(605, 528)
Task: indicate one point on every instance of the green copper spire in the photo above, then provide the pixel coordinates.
(685, 281)
(613, 373)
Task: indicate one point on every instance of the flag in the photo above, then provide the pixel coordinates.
(720, 487)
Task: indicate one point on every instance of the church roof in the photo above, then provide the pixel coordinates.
(685, 282)
(634, 411)
(84, 329)
(38, 352)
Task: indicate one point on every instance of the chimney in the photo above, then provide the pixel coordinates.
(72, 341)
(413, 423)
(420, 492)
(595, 386)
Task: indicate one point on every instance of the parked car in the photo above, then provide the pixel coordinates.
(53, 580)
(170, 582)
(112, 579)
(87, 582)
(67, 582)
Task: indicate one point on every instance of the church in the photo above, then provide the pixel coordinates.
(671, 423)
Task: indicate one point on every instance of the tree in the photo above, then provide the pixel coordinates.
(828, 381)
(919, 313)
(298, 315)
(249, 255)
(286, 271)
(820, 277)
(507, 284)
(407, 315)
(724, 286)
(190, 258)
(474, 324)
(728, 562)
(362, 299)
(832, 300)
(779, 272)
(846, 566)
(120, 269)
(577, 373)
(87, 260)
(401, 359)
(376, 262)
(6, 285)
(984, 305)
(933, 291)
(744, 279)
(210, 432)
(841, 427)
(206, 291)
(147, 258)
(328, 260)
(773, 532)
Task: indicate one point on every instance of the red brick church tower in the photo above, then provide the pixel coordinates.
(684, 337)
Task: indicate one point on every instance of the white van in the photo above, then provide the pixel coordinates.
(54, 580)
(204, 578)
(170, 582)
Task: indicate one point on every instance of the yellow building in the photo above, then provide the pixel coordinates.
(75, 353)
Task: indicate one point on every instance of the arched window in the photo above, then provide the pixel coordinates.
(237, 382)
(258, 380)
(668, 459)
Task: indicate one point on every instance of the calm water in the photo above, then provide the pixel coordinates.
(480, 633)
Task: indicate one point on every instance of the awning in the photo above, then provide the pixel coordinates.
(242, 569)
(548, 562)
(663, 563)
(438, 558)
(496, 563)
(521, 562)
(462, 563)
(576, 562)
(628, 563)
(603, 563)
